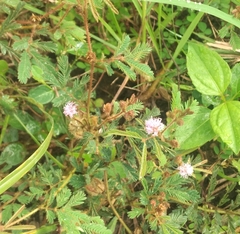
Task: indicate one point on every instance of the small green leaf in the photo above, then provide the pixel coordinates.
(117, 169)
(112, 224)
(235, 41)
(41, 94)
(69, 219)
(123, 45)
(24, 68)
(140, 68)
(126, 69)
(76, 199)
(226, 123)
(21, 44)
(3, 67)
(160, 155)
(136, 212)
(50, 216)
(38, 192)
(109, 69)
(210, 74)
(223, 32)
(37, 74)
(6, 198)
(176, 98)
(45, 46)
(63, 196)
(140, 52)
(57, 35)
(64, 70)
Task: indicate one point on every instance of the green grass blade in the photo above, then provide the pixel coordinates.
(19, 172)
(186, 36)
(110, 29)
(203, 8)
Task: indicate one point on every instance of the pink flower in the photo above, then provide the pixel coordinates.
(185, 170)
(153, 126)
(70, 109)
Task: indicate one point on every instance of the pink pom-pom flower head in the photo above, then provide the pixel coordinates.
(185, 170)
(70, 109)
(153, 126)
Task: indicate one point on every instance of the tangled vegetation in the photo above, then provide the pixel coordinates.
(119, 116)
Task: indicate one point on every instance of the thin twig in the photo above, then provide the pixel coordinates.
(120, 89)
(91, 56)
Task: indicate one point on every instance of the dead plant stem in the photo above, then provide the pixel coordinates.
(120, 89)
(90, 56)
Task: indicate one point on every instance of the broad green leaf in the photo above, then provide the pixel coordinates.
(13, 154)
(236, 164)
(196, 129)
(143, 166)
(226, 123)
(235, 82)
(24, 68)
(41, 94)
(210, 74)
(209, 100)
(22, 120)
(12, 134)
(7, 104)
